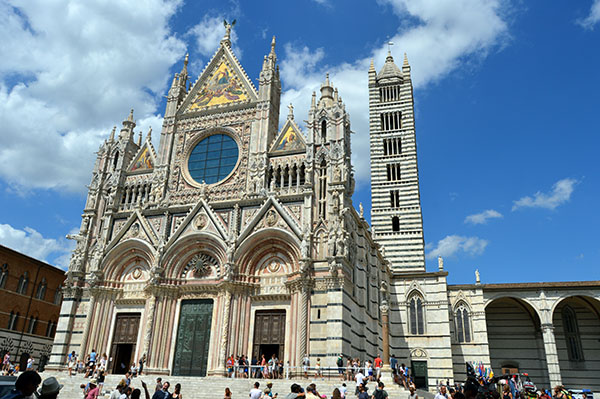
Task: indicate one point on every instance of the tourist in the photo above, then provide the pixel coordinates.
(256, 393)
(272, 368)
(369, 369)
(318, 371)
(177, 392)
(25, 386)
(6, 362)
(359, 377)
(336, 394)
(310, 393)
(378, 365)
(227, 394)
(263, 366)
(306, 365)
(380, 393)
(71, 363)
(159, 384)
(29, 363)
(116, 394)
(340, 365)
(394, 364)
(404, 375)
(295, 392)
(442, 393)
(412, 393)
(230, 361)
(101, 378)
(362, 392)
(506, 393)
(136, 393)
(127, 392)
(163, 393)
(254, 367)
(103, 362)
(268, 392)
(349, 369)
(94, 390)
(50, 389)
(343, 390)
(141, 362)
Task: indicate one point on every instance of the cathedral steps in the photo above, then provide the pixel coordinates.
(213, 387)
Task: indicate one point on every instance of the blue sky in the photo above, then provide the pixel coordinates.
(506, 96)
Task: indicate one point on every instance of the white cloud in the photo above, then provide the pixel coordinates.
(452, 245)
(593, 18)
(80, 66)
(32, 243)
(483, 217)
(561, 193)
(437, 35)
(208, 34)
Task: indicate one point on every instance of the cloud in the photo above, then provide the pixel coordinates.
(483, 217)
(70, 71)
(561, 193)
(593, 18)
(208, 33)
(437, 35)
(452, 245)
(32, 243)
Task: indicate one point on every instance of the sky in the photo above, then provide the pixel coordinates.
(507, 104)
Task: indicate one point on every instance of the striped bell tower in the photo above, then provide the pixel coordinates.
(396, 206)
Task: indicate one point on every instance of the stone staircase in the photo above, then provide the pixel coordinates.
(214, 387)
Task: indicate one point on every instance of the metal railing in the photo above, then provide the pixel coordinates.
(294, 372)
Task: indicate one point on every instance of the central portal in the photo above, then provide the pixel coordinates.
(269, 334)
(193, 338)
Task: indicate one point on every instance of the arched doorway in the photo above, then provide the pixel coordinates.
(515, 339)
(576, 323)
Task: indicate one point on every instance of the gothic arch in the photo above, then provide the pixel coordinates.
(530, 307)
(588, 298)
(186, 247)
(253, 251)
(120, 257)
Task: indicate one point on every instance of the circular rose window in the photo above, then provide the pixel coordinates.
(213, 159)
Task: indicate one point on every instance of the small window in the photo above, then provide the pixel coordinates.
(13, 320)
(41, 289)
(391, 121)
(572, 337)
(32, 325)
(23, 282)
(395, 198)
(324, 132)
(58, 295)
(392, 146)
(393, 171)
(395, 223)
(463, 324)
(116, 160)
(416, 317)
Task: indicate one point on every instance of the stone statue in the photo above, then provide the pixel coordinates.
(440, 263)
(228, 272)
(477, 277)
(305, 248)
(228, 28)
(361, 210)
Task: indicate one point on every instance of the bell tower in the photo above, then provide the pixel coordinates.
(396, 206)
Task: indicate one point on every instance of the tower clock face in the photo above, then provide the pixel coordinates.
(213, 159)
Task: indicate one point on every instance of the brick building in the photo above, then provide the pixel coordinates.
(30, 299)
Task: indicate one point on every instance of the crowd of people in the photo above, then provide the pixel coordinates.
(11, 368)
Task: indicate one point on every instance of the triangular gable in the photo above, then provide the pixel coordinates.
(289, 140)
(200, 218)
(136, 227)
(271, 204)
(145, 159)
(224, 82)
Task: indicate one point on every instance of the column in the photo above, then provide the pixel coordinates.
(551, 355)
(86, 326)
(225, 330)
(302, 324)
(149, 324)
(386, 370)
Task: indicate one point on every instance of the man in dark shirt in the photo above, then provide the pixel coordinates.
(163, 393)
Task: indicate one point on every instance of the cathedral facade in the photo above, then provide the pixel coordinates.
(240, 237)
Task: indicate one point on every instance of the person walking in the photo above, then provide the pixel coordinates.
(163, 393)
(94, 390)
(442, 393)
(306, 365)
(256, 393)
(412, 393)
(159, 384)
(141, 363)
(177, 392)
(227, 394)
(30, 363)
(378, 366)
(379, 392)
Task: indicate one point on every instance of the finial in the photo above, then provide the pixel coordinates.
(149, 135)
(130, 117)
(313, 101)
(185, 64)
(273, 44)
(372, 66)
(477, 277)
(112, 133)
(405, 60)
(335, 94)
(291, 113)
(327, 79)
(227, 38)
(440, 263)
(361, 210)
(140, 139)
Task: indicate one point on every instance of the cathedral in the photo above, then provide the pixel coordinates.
(238, 235)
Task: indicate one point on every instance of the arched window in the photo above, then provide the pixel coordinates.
(395, 223)
(23, 282)
(416, 317)
(32, 325)
(41, 289)
(3, 275)
(116, 160)
(323, 189)
(13, 320)
(58, 295)
(324, 132)
(463, 323)
(572, 337)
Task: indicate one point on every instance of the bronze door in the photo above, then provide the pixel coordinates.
(124, 341)
(193, 338)
(269, 333)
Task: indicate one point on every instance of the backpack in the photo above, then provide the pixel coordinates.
(340, 362)
(380, 394)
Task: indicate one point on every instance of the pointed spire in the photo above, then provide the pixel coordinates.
(129, 122)
(149, 135)
(406, 66)
(405, 63)
(291, 113)
(185, 63)
(313, 101)
(130, 117)
(112, 134)
(140, 139)
(273, 45)
(335, 94)
(372, 66)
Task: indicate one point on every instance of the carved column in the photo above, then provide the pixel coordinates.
(86, 326)
(551, 355)
(302, 323)
(385, 334)
(225, 330)
(149, 323)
